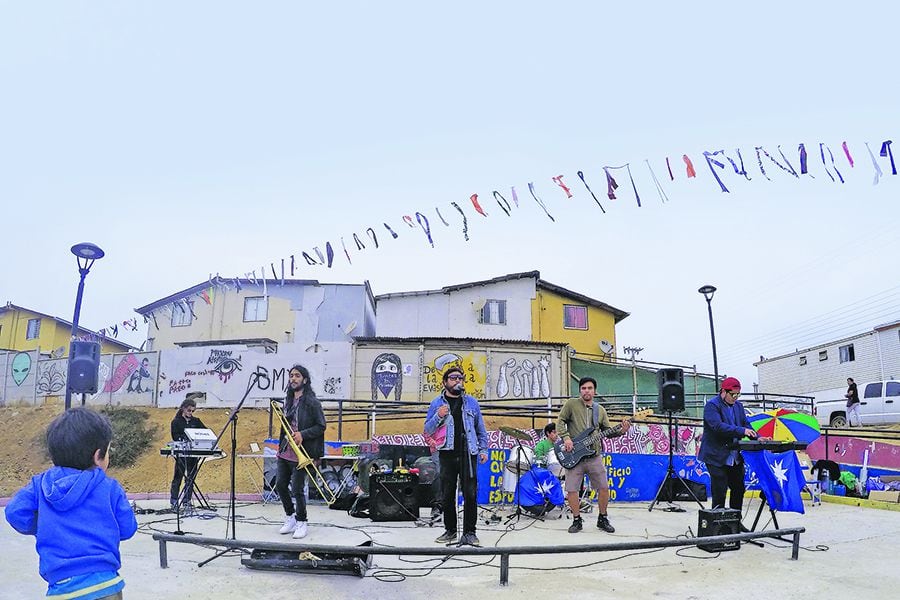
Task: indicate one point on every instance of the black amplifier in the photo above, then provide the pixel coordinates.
(719, 521)
(394, 497)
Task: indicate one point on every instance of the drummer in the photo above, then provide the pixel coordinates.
(545, 446)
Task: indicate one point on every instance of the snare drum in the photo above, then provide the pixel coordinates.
(520, 459)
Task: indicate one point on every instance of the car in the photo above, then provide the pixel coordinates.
(879, 404)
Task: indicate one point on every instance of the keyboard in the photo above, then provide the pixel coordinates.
(771, 446)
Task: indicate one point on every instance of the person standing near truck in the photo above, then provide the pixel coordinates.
(852, 397)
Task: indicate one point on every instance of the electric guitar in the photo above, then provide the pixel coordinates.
(583, 443)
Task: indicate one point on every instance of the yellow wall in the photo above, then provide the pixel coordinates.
(223, 319)
(547, 323)
(52, 335)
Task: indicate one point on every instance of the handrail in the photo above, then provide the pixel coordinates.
(504, 552)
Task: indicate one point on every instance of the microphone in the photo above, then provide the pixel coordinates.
(459, 387)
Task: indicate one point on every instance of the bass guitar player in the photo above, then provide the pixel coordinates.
(576, 416)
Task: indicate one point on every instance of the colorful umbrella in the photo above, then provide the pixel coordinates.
(785, 425)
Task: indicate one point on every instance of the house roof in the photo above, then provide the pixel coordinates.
(618, 314)
(104, 338)
(196, 289)
(448, 340)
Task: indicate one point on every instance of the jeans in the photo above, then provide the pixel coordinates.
(454, 468)
(185, 468)
(288, 473)
(437, 494)
(726, 478)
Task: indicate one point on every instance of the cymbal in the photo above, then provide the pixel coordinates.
(515, 433)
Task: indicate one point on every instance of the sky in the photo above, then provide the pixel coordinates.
(188, 139)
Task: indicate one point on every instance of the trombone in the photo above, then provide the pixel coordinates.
(303, 459)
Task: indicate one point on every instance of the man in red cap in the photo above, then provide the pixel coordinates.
(724, 423)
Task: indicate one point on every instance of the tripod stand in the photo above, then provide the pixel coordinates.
(521, 472)
(671, 476)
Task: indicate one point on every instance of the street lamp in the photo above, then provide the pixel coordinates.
(708, 291)
(85, 255)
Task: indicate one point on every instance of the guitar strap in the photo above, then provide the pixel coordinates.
(595, 417)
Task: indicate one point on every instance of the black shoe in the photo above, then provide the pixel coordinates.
(576, 525)
(448, 538)
(604, 524)
(744, 529)
(436, 513)
(469, 539)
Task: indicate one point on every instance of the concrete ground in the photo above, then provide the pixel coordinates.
(846, 549)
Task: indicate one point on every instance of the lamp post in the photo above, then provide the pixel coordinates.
(708, 291)
(85, 255)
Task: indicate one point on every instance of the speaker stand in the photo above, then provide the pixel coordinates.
(520, 456)
(671, 476)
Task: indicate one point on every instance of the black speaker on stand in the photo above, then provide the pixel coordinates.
(84, 368)
(671, 400)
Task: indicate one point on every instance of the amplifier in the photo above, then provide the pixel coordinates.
(719, 521)
(394, 497)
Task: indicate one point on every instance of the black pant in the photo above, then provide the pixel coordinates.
(726, 478)
(437, 492)
(454, 467)
(185, 468)
(288, 473)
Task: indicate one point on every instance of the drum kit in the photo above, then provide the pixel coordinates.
(522, 462)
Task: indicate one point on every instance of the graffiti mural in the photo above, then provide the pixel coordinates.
(387, 376)
(21, 366)
(473, 364)
(523, 377)
(51, 379)
(225, 363)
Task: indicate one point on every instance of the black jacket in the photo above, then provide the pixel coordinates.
(307, 417)
(179, 424)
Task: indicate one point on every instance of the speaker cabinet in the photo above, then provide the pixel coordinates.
(670, 383)
(394, 497)
(719, 521)
(682, 490)
(84, 367)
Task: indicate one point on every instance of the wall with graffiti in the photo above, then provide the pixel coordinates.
(123, 379)
(19, 371)
(410, 372)
(224, 373)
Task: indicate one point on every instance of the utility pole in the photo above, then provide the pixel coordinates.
(633, 352)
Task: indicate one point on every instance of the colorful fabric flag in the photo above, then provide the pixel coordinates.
(478, 209)
(847, 153)
(886, 152)
(581, 176)
(423, 223)
(503, 202)
(538, 200)
(558, 180)
(690, 166)
(465, 227)
(441, 217)
(875, 165)
(372, 235)
(780, 478)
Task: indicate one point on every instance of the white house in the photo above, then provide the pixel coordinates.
(870, 356)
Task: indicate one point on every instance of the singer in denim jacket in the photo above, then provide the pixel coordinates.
(457, 453)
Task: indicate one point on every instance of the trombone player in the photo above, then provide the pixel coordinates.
(303, 412)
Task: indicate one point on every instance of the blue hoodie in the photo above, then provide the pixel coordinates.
(78, 518)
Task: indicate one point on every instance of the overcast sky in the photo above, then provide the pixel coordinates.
(193, 138)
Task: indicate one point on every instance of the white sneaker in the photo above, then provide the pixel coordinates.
(290, 524)
(301, 530)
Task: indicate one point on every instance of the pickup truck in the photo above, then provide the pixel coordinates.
(879, 404)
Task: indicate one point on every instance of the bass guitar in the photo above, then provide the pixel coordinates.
(583, 443)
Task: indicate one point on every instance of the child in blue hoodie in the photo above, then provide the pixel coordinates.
(75, 511)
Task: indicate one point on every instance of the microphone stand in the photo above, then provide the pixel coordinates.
(232, 421)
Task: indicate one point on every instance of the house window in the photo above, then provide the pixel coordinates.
(823, 355)
(494, 312)
(802, 360)
(575, 317)
(34, 329)
(181, 315)
(847, 353)
(256, 308)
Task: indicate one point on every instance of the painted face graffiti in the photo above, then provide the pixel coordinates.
(387, 376)
(21, 366)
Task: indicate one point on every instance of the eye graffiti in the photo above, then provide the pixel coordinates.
(227, 367)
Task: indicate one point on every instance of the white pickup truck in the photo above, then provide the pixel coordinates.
(879, 404)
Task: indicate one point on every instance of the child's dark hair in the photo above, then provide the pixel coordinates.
(549, 428)
(74, 436)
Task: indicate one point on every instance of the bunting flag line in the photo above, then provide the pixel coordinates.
(710, 161)
(878, 172)
(611, 185)
(659, 188)
(538, 200)
(465, 224)
(581, 176)
(822, 148)
(689, 166)
(612, 182)
(423, 223)
(886, 152)
(504, 205)
(558, 180)
(788, 169)
(478, 209)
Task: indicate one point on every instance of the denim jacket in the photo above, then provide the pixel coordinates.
(476, 434)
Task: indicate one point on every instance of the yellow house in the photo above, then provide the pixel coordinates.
(23, 329)
(586, 324)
